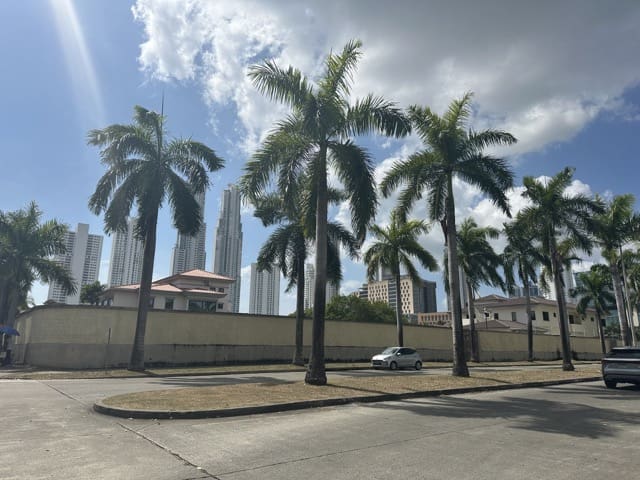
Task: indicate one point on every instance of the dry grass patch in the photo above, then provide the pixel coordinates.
(274, 392)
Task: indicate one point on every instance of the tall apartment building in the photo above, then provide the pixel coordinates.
(82, 260)
(264, 292)
(310, 287)
(125, 266)
(518, 291)
(416, 297)
(567, 280)
(227, 256)
(189, 252)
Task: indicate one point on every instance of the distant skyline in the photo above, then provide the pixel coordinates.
(563, 77)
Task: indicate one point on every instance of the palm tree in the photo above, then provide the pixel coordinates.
(317, 136)
(146, 169)
(480, 264)
(288, 247)
(614, 227)
(522, 255)
(92, 292)
(26, 248)
(395, 247)
(451, 151)
(631, 262)
(555, 213)
(593, 292)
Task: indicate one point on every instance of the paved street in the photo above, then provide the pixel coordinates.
(564, 432)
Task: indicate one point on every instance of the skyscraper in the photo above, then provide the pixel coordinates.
(264, 293)
(82, 260)
(189, 251)
(227, 256)
(310, 287)
(125, 266)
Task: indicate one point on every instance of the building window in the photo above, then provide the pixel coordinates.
(545, 316)
(571, 319)
(592, 319)
(168, 303)
(151, 300)
(202, 306)
(554, 314)
(495, 316)
(533, 314)
(220, 306)
(514, 317)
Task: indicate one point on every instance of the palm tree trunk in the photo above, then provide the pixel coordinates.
(298, 357)
(562, 310)
(603, 345)
(622, 313)
(527, 297)
(316, 374)
(460, 368)
(136, 362)
(399, 311)
(475, 352)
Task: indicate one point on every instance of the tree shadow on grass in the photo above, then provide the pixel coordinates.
(219, 381)
(575, 419)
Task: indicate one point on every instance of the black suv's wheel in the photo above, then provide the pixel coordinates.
(418, 365)
(393, 366)
(610, 383)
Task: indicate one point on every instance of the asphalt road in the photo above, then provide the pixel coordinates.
(580, 431)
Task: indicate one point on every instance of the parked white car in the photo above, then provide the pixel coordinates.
(397, 357)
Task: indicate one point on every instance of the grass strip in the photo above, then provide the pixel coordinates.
(282, 392)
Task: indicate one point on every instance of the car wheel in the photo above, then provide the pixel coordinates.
(418, 365)
(610, 383)
(393, 366)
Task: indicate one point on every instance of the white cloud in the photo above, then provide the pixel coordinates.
(542, 72)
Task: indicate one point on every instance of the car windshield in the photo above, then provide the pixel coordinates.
(390, 350)
(630, 353)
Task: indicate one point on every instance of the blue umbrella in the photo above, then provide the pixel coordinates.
(9, 330)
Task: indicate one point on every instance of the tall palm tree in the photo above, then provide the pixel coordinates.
(26, 247)
(288, 247)
(451, 151)
(396, 246)
(145, 168)
(631, 262)
(613, 228)
(316, 136)
(554, 213)
(592, 291)
(523, 256)
(479, 263)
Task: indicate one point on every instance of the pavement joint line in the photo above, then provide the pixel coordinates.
(170, 452)
(100, 407)
(361, 449)
(70, 397)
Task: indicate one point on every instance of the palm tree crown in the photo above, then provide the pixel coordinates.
(452, 150)
(395, 247)
(26, 248)
(317, 135)
(146, 169)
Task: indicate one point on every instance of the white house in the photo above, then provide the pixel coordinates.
(195, 290)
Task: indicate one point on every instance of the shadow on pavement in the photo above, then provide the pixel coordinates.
(574, 419)
(214, 381)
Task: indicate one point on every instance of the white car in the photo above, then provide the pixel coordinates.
(397, 357)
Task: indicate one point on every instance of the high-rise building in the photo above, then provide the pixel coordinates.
(518, 291)
(310, 287)
(416, 297)
(568, 285)
(82, 260)
(264, 292)
(189, 251)
(227, 256)
(125, 267)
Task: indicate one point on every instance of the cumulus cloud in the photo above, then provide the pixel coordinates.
(540, 71)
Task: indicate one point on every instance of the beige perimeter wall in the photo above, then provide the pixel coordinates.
(100, 337)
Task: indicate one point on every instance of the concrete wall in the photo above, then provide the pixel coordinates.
(98, 337)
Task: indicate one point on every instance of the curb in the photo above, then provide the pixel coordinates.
(284, 407)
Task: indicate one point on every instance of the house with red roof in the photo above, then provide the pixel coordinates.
(195, 291)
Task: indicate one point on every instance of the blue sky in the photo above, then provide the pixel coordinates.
(564, 78)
